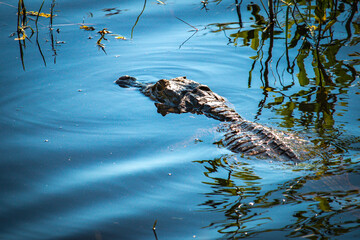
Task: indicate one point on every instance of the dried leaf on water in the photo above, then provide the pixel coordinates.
(33, 13)
(87, 28)
(117, 36)
(20, 38)
(22, 34)
(104, 31)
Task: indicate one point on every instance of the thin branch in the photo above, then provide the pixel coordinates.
(137, 19)
(188, 39)
(187, 23)
(37, 33)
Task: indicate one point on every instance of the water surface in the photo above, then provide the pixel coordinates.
(82, 158)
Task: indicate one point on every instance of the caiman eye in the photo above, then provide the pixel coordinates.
(204, 88)
(159, 88)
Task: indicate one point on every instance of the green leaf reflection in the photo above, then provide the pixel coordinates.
(320, 41)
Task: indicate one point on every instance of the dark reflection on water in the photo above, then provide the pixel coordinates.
(83, 159)
(315, 51)
(324, 204)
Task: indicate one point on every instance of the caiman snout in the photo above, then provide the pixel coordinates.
(126, 81)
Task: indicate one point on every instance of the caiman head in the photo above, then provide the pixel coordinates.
(180, 95)
(127, 81)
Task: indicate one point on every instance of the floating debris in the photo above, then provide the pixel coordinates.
(22, 34)
(45, 15)
(102, 33)
(112, 11)
(154, 226)
(205, 3)
(121, 37)
(87, 28)
(160, 2)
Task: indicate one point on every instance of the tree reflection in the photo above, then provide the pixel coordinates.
(315, 206)
(318, 52)
(22, 26)
(311, 34)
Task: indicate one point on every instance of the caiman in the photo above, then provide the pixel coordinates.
(182, 95)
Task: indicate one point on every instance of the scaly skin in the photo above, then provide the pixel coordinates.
(181, 95)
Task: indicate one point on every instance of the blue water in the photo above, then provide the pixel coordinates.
(82, 158)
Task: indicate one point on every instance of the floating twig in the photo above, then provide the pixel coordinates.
(154, 226)
(137, 19)
(196, 30)
(187, 23)
(205, 3)
(102, 33)
(154, 229)
(160, 2)
(21, 23)
(87, 28)
(39, 14)
(52, 12)
(187, 39)
(37, 33)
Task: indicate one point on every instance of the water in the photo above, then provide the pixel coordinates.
(82, 158)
